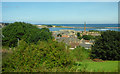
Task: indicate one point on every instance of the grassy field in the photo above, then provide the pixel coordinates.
(90, 66)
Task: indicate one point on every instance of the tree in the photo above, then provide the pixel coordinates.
(78, 34)
(59, 35)
(49, 25)
(80, 37)
(80, 53)
(107, 46)
(41, 57)
(26, 31)
(87, 37)
(94, 31)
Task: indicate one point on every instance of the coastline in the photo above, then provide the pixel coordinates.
(86, 27)
(42, 26)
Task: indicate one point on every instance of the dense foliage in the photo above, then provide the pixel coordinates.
(107, 46)
(20, 30)
(94, 31)
(49, 25)
(79, 36)
(80, 53)
(59, 35)
(5, 24)
(43, 56)
(87, 37)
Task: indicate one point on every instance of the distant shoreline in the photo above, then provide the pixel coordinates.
(87, 27)
(72, 27)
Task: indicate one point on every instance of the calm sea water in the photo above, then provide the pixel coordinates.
(87, 25)
(82, 29)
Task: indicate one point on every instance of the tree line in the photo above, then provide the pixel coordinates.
(28, 32)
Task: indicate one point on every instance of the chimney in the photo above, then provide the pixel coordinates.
(84, 26)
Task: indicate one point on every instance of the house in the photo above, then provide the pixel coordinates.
(69, 37)
(65, 36)
(73, 45)
(95, 34)
(39, 25)
(73, 42)
(86, 46)
(86, 43)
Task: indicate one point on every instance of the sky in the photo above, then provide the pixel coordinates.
(60, 0)
(60, 12)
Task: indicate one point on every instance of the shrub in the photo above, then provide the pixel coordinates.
(80, 37)
(44, 56)
(80, 53)
(94, 31)
(20, 30)
(49, 25)
(107, 46)
(87, 37)
(59, 35)
(78, 34)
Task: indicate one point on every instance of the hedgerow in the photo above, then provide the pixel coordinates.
(40, 57)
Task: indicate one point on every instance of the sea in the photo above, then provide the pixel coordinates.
(99, 27)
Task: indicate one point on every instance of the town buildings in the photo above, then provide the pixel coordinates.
(69, 37)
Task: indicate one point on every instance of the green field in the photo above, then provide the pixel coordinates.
(90, 66)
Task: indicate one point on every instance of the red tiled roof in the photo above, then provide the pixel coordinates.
(87, 40)
(64, 35)
(74, 44)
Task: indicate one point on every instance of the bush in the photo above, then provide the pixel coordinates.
(49, 25)
(80, 53)
(44, 56)
(78, 34)
(59, 35)
(107, 46)
(80, 37)
(94, 31)
(20, 30)
(87, 37)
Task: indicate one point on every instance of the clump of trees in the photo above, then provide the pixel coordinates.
(87, 37)
(49, 25)
(5, 24)
(79, 36)
(20, 30)
(80, 53)
(59, 35)
(107, 46)
(41, 57)
(37, 52)
(94, 31)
